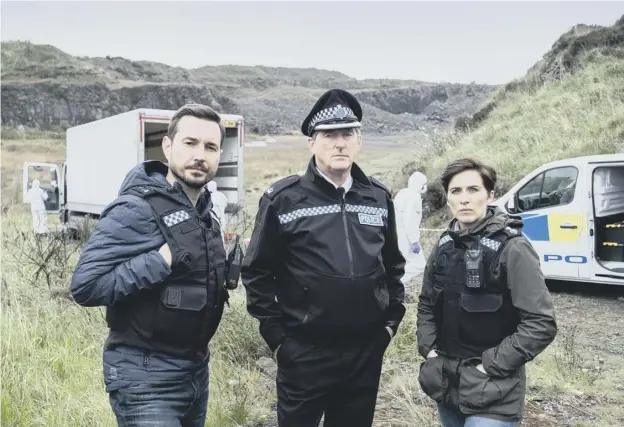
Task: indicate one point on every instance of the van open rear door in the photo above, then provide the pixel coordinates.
(607, 231)
(51, 181)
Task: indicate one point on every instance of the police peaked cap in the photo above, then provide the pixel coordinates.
(335, 109)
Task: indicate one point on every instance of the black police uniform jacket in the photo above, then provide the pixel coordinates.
(323, 266)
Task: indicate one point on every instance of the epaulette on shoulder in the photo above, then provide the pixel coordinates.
(278, 186)
(379, 184)
(140, 191)
(444, 238)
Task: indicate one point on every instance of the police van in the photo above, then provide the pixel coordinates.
(573, 213)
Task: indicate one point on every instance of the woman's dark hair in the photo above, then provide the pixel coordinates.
(488, 174)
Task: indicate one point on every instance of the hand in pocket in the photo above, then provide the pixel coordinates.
(432, 354)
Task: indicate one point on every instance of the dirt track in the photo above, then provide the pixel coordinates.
(591, 325)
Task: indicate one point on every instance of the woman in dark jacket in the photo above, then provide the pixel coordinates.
(484, 309)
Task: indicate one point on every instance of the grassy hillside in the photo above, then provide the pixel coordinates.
(534, 120)
(581, 45)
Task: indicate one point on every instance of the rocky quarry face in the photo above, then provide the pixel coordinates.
(46, 105)
(43, 87)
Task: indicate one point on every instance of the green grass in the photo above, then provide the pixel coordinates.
(13, 134)
(52, 350)
(583, 114)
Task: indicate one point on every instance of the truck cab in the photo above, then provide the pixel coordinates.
(573, 213)
(100, 153)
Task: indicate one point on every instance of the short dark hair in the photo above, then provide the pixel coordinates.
(488, 174)
(200, 111)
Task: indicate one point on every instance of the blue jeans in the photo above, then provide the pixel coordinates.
(150, 389)
(451, 418)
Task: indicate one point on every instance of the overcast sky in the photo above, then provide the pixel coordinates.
(486, 42)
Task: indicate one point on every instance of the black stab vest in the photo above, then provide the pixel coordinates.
(178, 317)
(473, 310)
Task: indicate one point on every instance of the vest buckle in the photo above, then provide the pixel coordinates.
(185, 260)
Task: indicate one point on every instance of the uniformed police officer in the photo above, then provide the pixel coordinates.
(484, 309)
(157, 262)
(322, 274)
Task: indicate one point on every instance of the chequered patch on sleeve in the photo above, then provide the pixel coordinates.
(444, 239)
(304, 212)
(492, 244)
(176, 218)
(371, 210)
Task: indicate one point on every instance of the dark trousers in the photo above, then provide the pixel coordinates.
(340, 381)
(149, 389)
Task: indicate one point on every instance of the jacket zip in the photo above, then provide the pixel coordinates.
(346, 229)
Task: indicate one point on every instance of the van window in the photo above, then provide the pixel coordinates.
(553, 187)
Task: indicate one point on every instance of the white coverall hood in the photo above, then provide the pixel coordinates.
(212, 186)
(219, 203)
(417, 182)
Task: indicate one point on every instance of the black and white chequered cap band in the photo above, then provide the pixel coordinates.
(337, 112)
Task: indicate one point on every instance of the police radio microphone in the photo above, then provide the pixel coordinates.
(234, 261)
(473, 259)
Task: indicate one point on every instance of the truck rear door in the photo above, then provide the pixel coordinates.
(51, 181)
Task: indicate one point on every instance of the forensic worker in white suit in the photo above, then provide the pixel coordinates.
(36, 197)
(408, 205)
(219, 203)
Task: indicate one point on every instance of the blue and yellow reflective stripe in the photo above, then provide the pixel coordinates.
(547, 227)
(535, 227)
(558, 234)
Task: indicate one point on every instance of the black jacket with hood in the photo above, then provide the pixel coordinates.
(121, 268)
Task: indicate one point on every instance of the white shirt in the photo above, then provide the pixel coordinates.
(346, 185)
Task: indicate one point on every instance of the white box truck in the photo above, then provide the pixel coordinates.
(99, 154)
(573, 213)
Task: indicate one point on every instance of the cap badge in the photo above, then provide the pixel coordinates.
(341, 113)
